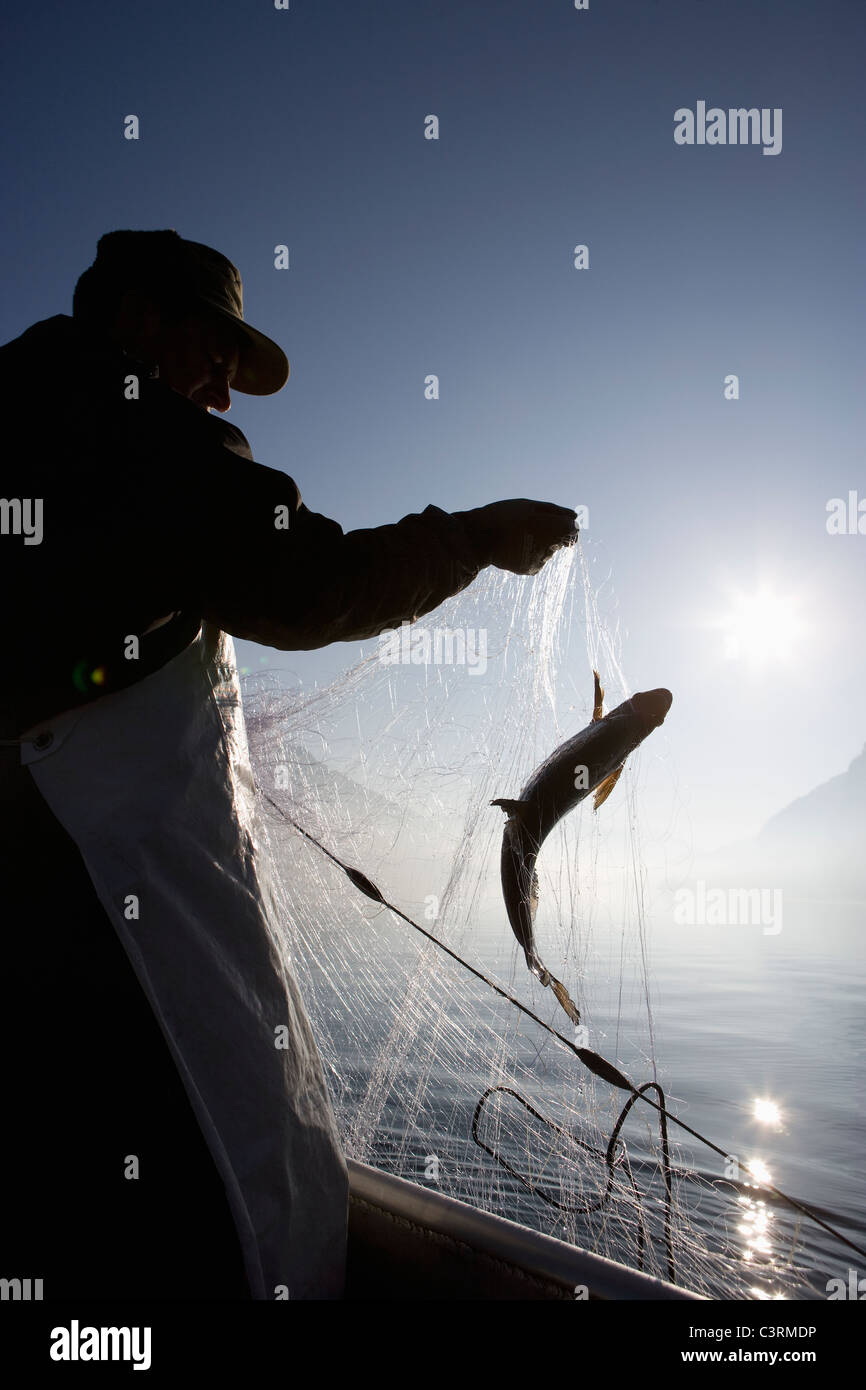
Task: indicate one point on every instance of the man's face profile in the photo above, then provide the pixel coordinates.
(197, 355)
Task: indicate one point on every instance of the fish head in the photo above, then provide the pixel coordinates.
(651, 706)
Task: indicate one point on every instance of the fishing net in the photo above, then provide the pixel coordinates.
(434, 1076)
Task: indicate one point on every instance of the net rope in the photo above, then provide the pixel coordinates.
(433, 1075)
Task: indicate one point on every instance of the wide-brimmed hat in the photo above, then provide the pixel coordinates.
(167, 262)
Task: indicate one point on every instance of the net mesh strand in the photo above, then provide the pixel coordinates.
(392, 767)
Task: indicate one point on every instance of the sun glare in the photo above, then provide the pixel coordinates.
(759, 1170)
(766, 1112)
(762, 627)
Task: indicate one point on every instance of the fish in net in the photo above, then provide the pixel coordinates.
(375, 790)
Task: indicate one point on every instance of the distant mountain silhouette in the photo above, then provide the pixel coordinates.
(815, 846)
(832, 814)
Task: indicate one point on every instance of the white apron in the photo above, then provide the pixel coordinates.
(154, 785)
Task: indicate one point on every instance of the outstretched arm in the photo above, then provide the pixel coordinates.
(310, 584)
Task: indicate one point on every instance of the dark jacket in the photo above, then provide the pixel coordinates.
(154, 507)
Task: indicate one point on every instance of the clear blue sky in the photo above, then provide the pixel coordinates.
(410, 256)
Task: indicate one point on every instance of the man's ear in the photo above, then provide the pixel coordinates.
(138, 322)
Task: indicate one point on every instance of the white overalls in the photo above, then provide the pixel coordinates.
(154, 785)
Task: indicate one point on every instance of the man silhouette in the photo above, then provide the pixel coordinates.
(169, 1132)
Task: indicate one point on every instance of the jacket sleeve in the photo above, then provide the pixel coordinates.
(304, 583)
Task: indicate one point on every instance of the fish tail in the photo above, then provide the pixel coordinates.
(549, 981)
(565, 999)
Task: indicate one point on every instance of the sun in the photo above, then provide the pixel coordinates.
(762, 627)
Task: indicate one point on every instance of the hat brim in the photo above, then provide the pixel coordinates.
(264, 367)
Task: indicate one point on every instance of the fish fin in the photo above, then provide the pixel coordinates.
(604, 789)
(512, 808)
(598, 699)
(565, 999)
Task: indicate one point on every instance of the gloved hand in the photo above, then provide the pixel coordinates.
(520, 535)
